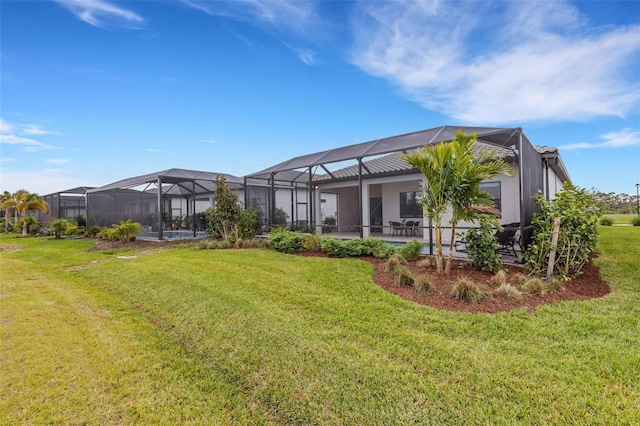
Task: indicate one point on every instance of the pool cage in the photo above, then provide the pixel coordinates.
(170, 202)
(71, 203)
(368, 164)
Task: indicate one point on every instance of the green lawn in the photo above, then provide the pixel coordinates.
(621, 219)
(258, 337)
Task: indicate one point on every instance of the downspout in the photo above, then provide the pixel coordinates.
(360, 196)
(546, 170)
(160, 207)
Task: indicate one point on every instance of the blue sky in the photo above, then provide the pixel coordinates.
(94, 91)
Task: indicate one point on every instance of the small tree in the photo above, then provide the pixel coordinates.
(59, 227)
(454, 171)
(228, 219)
(578, 233)
(126, 230)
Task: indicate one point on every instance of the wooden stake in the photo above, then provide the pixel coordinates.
(554, 243)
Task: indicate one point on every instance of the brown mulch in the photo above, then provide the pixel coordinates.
(588, 285)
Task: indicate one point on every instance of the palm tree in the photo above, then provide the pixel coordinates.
(7, 207)
(24, 202)
(472, 166)
(454, 171)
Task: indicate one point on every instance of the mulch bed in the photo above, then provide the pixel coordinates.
(588, 285)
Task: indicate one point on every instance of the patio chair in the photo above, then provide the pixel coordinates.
(396, 227)
(508, 240)
(411, 227)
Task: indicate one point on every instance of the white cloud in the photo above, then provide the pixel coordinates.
(14, 134)
(293, 15)
(211, 141)
(27, 144)
(159, 151)
(5, 127)
(57, 161)
(307, 56)
(464, 61)
(35, 129)
(620, 139)
(102, 14)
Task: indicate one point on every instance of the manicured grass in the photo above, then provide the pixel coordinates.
(255, 336)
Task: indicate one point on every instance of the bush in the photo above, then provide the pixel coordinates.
(59, 227)
(482, 247)
(466, 290)
(606, 221)
(311, 242)
(286, 241)
(426, 263)
(126, 230)
(499, 278)
(341, 248)
(375, 247)
(534, 286)
(508, 291)
(577, 236)
(403, 276)
(394, 262)
(228, 219)
(93, 231)
(423, 283)
(411, 250)
(636, 221)
(517, 278)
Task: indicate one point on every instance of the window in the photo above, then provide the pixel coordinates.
(409, 206)
(493, 188)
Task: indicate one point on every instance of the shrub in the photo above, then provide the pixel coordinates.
(482, 247)
(577, 236)
(517, 278)
(606, 221)
(534, 286)
(466, 290)
(636, 221)
(341, 248)
(59, 226)
(426, 263)
(394, 262)
(93, 231)
(126, 230)
(311, 242)
(499, 278)
(508, 291)
(422, 283)
(375, 247)
(403, 276)
(286, 241)
(553, 285)
(411, 250)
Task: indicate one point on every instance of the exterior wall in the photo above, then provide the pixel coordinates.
(553, 184)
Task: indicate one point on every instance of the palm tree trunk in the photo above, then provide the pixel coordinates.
(438, 230)
(447, 269)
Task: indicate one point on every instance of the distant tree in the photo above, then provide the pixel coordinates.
(24, 202)
(8, 207)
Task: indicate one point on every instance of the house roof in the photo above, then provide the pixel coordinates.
(501, 137)
(204, 182)
(78, 190)
(552, 156)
